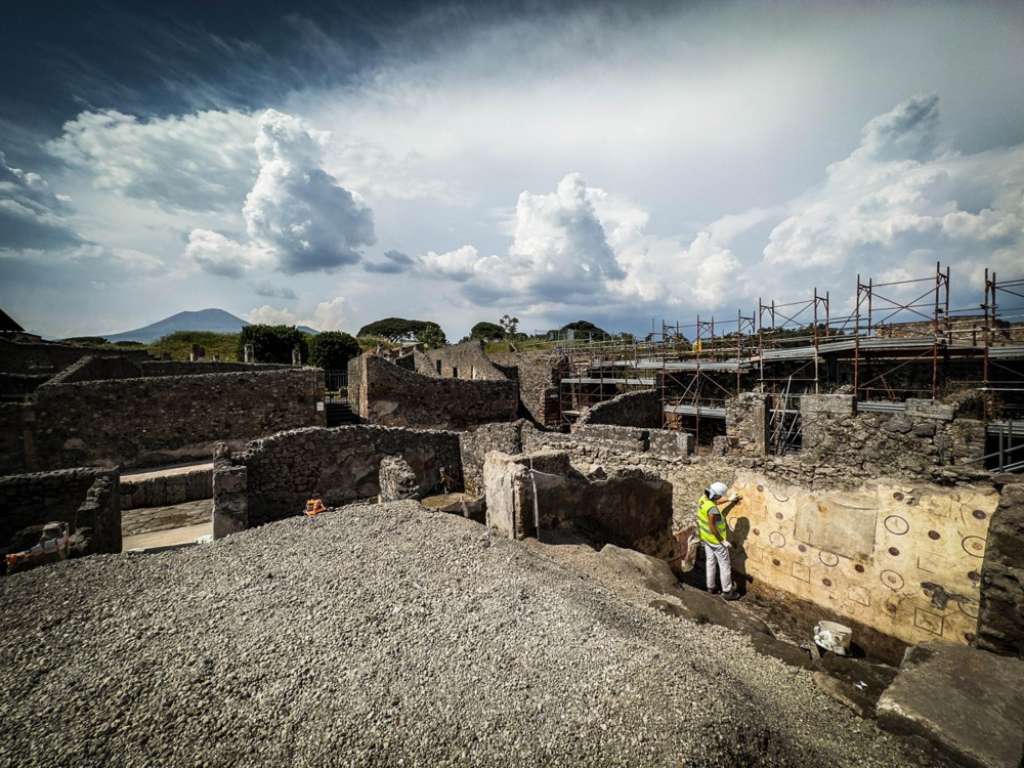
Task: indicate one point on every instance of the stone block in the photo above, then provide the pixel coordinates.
(670, 444)
(230, 501)
(397, 480)
(929, 409)
(1001, 616)
(967, 702)
(832, 405)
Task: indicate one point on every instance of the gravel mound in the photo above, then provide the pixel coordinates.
(384, 634)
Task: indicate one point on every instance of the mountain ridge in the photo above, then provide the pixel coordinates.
(211, 319)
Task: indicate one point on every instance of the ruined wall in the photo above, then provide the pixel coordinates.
(919, 442)
(16, 385)
(1001, 620)
(466, 359)
(631, 409)
(384, 393)
(81, 497)
(901, 557)
(184, 368)
(135, 422)
(338, 465)
(746, 423)
(538, 374)
(167, 489)
(98, 368)
(476, 443)
(629, 508)
(47, 357)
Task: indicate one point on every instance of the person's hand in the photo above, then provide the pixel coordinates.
(734, 498)
(727, 544)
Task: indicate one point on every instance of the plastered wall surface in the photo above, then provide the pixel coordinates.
(903, 558)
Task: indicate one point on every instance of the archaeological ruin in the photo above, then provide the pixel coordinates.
(876, 460)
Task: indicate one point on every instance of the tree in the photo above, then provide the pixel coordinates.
(510, 324)
(486, 331)
(584, 329)
(431, 336)
(393, 328)
(272, 343)
(331, 350)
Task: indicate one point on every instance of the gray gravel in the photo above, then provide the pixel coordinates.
(387, 635)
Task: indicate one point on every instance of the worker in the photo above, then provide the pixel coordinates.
(714, 534)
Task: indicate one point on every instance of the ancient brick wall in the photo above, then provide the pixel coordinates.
(165, 490)
(98, 368)
(463, 361)
(631, 409)
(746, 423)
(384, 393)
(138, 422)
(47, 357)
(1001, 619)
(16, 385)
(338, 466)
(476, 443)
(64, 496)
(920, 441)
(184, 368)
(538, 375)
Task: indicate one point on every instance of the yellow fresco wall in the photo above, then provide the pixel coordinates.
(865, 554)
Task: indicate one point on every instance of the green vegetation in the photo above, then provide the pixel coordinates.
(331, 350)
(272, 343)
(393, 329)
(179, 345)
(584, 329)
(431, 336)
(487, 331)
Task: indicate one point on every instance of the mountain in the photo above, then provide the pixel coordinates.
(216, 320)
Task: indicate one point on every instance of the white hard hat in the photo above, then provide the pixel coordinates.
(717, 490)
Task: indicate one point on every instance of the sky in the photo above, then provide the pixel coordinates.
(332, 164)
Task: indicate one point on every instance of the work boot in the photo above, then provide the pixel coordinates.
(714, 591)
(731, 595)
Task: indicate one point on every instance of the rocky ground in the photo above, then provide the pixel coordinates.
(388, 635)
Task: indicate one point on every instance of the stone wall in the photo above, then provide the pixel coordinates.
(166, 489)
(336, 465)
(148, 421)
(98, 368)
(81, 497)
(921, 441)
(14, 386)
(184, 368)
(629, 508)
(476, 443)
(746, 423)
(1001, 619)
(384, 393)
(631, 409)
(48, 357)
(463, 361)
(538, 374)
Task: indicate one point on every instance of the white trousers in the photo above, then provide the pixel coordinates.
(716, 557)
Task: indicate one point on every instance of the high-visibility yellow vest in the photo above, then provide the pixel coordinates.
(704, 507)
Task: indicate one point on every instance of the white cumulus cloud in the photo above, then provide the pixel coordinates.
(196, 162)
(31, 216)
(330, 315)
(297, 216)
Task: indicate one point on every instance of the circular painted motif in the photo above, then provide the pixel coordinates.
(973, 545)
(777, 539)
(968, 609)
(934, 535)
(892, 580)
(775, 562)
(858, 568)
(757, 532)
(896, 525)
(778, 515)
(827, 582)
(760, 487)
(898, 496)
(802, 548)
(829, 559)
(894, 552)
(979, 514)
(974, 576)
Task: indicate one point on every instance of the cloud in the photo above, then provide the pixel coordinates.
(220, 255)
(196, 162)
(559, 252)
(901, 198)
(297, 216)
(267, 289)
(328, 315)
(31, 216)
(394, 263)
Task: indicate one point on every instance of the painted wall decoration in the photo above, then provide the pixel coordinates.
(903, 558)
